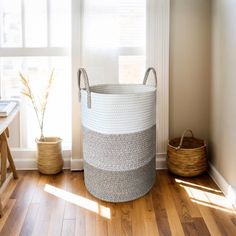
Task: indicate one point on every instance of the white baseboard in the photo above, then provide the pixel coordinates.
(31, 164)
(225, 187)
(77, 164)
(26, 159)
(161, 161)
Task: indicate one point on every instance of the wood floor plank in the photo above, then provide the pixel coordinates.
(187, 210)
(218, 205)
(159, 208)
(199, 193)
(45, 201)
(138, 226)
(209, 220)
(223, 222)
(114, 224)
(57, 214)
(149, 217)
(70, 208)
(173, 217)
(181, 203)
(233, 219)
(126, 209)
(78, 188)
(168, 209)
(96, 224)
(101, 222)
(201, 227)
(23, 200)
(29, 222)
(196, 227)
(6, 212)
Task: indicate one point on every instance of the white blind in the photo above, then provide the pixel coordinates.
(114, 40)
(132, 23)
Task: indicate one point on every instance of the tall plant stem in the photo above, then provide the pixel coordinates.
(45, 100)
(29, 93)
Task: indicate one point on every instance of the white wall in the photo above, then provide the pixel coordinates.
(190, 35)
(223, 90)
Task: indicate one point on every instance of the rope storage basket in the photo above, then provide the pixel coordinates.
(119, 138)
(49, 155)
(186, 156)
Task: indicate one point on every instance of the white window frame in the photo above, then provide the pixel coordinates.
(158, 27)
(25, 158)
(32, 51)
(157, 53)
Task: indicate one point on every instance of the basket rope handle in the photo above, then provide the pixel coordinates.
(83, 72)
(147, 74)
(182, 137)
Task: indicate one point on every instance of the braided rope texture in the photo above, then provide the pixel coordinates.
(119, 167)
(119, 152)
(120, 186)
(119, 139)
(114, 113)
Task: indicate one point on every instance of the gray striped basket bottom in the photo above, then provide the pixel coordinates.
(119, 167)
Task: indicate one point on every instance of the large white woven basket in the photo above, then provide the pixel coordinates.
(119, 136)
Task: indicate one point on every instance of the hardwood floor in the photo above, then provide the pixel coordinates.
(60, 205)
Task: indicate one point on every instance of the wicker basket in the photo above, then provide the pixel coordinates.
(49, 155)
(186, 156)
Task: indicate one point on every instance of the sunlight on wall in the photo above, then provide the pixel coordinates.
(206, 196)
(79, 201)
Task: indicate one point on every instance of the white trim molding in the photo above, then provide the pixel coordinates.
(77, 164)
(25, 159)
(36, 52)
(158, 26)
(161, 161)
(225, 187)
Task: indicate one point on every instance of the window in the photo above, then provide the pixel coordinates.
(34, 39)
(132, 57)
(114, 40)
(120, 38)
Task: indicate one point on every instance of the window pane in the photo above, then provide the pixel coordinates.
(101, 23)
(114, 40)
(10, 23)
(35, 23)
(38, 69)
(131, 69)
(132, 22)
(60, 22)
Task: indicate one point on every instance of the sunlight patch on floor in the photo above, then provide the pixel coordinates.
(197, 185)
(79, 201)
(204, 196)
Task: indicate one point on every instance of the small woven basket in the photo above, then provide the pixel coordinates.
(49, 155)
(186, 156)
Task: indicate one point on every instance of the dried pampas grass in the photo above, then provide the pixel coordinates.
(40, 107)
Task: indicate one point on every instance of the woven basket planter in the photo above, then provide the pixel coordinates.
(186, 156)
(119, 138)
(49, 155)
